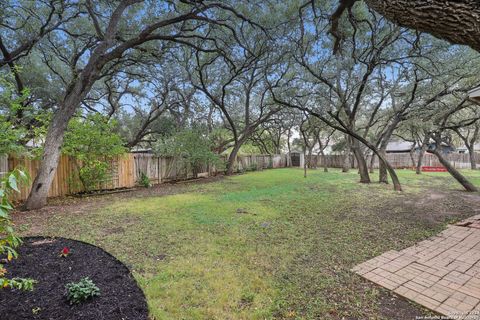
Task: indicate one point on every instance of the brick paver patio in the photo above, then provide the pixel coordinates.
(441, 273)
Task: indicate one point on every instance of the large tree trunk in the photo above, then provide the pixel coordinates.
(53, 144)
(382, 169)
(383, 172)
(393, 175)
(455, 173)
(74, 95)
(454, 20)
(362, 164)
(473, 158)
(48, 166)
(232, 158)
(423, 149)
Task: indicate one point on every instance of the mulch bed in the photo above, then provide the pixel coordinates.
(120, 297)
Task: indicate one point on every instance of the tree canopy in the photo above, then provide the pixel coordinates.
(203, 80)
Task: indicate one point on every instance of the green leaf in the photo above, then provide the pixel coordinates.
(12, 182)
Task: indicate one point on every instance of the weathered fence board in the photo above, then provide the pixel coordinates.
(3, 165)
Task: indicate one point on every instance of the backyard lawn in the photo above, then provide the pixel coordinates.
(264, 245)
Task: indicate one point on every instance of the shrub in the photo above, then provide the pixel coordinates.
(81, 291)
(190, 146)
(93, 172)
(144, 181)
(8, 239)
(94, 144)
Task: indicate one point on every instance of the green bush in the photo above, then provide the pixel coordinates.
(81, 291)
(144, 181)
(92, 173)
(94, 144)
(8, 239)
(190, 146)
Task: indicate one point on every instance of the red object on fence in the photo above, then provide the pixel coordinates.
(434, 169)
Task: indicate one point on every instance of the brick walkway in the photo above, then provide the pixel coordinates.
(441, 273)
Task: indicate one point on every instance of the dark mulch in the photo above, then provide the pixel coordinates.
(120, 298)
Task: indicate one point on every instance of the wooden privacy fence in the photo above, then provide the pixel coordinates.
(401, 160)
(125, 171)
(164, 169)
(66, 181)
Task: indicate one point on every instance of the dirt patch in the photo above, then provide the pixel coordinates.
(35, 219)
(395, 307)
(120, 297)
(432, 207)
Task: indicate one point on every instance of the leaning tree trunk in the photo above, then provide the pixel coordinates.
(473, 158)
(455, 173)
(393, 175)
(74, 95)
(54, 140)
(232, 158)
(396, 182)
(453, 20)
(423, 149)
(382, 169)
(48, 165)
(362, 164)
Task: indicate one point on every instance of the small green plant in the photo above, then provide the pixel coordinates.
(81, 291)
(8, 239)
(144, 181)
(253, 167)
(246, 299)
(36, 310)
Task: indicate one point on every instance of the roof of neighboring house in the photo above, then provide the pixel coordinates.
(474, 94)
(397, 146)
(141, 150)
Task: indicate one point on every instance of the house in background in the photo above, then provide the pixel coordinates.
(399, 146)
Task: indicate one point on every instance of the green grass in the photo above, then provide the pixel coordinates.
(262, 245)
